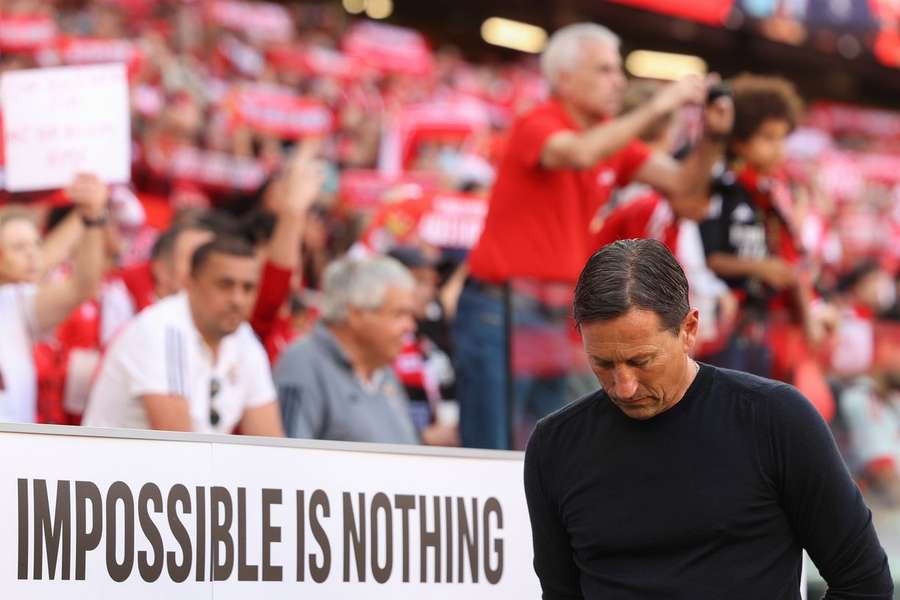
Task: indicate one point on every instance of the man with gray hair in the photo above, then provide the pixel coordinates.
(563, 160)
(337, 383)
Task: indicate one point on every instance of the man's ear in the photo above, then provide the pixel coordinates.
(690, 327)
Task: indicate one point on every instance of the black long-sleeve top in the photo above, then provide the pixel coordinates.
(712, 499)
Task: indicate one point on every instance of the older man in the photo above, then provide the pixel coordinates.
(191, 362)
(337, 383)
(563, 159)
(681, 480)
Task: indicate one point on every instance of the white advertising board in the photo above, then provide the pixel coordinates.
(169, 516)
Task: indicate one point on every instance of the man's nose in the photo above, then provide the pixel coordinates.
(625, 384)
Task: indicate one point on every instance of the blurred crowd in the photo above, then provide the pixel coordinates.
(290, 253)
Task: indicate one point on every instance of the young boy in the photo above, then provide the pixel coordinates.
(751, 241)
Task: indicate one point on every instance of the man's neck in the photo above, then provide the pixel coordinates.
(581, 118)
(212, 339)
(362, 366)
(691, 371)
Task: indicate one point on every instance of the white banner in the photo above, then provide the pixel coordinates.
(107, 517)
(62, 121)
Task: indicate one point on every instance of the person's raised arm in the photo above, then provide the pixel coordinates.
(59, 243)
(56, 299)
(584, 149)
(294, 193)
(686, 183)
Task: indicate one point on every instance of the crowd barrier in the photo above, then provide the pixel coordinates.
(96, 513)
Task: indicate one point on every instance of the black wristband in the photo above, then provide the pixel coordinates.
(96, 222)
(716, 138)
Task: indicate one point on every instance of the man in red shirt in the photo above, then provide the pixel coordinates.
(562, 161)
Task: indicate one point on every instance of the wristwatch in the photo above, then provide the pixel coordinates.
(95, 222)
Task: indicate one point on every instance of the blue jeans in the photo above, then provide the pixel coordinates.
(483, 373)
(481, 369)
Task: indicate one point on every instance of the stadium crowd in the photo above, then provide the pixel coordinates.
(290, 254)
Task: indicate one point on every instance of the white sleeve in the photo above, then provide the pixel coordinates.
(154, 360)
(26, 295)
(256, 373)
(703, 281)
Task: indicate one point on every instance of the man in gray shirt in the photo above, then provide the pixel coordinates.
(337, 383)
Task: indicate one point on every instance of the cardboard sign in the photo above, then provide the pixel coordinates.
(63, 121)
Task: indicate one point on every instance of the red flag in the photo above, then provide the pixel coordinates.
(279, 112)
(261, 21)
(26, 33)
(389, 48)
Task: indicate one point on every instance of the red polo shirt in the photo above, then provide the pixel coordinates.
(537, 221)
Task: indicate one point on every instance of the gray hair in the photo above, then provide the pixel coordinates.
(565, 44)
(360, 283)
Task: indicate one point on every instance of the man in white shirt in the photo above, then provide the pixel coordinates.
(191, 362)
(30, 307)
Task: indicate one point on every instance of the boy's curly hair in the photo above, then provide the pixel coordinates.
(759, 98)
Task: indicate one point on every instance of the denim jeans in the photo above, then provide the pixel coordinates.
(481, 368)
(483, 371)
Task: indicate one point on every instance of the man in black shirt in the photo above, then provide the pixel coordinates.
(681, 480)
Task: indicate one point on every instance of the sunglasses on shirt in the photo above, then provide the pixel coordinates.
(215, 387)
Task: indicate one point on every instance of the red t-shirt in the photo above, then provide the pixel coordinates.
(646, 217)
(538, 219)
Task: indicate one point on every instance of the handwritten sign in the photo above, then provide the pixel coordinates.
(62, 121)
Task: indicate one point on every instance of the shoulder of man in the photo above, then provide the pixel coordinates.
(150, 327)
(737, 384)
(247, 339)
(569, 414)
(300, 357)
(544, 114)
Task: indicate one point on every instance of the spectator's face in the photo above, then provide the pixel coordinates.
(223, 292)
(595, 83)
(764, 151)
(381, 332)
(20, 252)
(642, 366)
